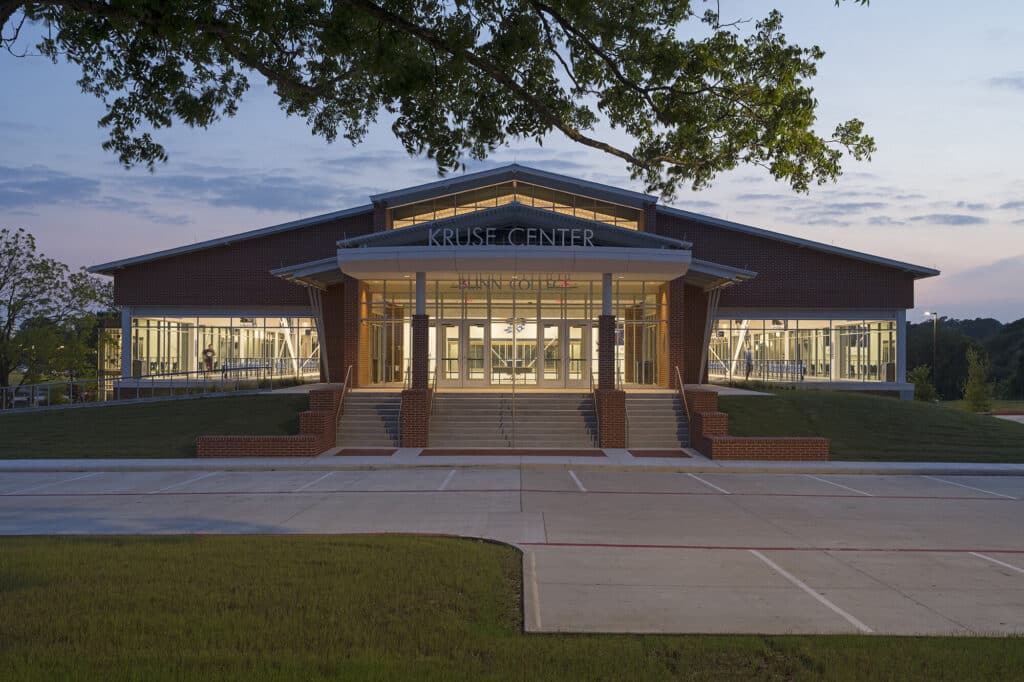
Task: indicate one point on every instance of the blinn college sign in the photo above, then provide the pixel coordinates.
(513, 236)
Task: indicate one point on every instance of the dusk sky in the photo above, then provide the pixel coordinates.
(939, 84)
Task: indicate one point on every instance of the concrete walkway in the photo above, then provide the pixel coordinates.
(620, 551)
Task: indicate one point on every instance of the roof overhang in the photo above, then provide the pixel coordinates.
(708, 275)
(111, 267)
(581, 263)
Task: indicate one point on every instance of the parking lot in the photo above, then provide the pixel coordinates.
(624, 551)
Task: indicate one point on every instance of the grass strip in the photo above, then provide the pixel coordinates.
(866, 427)
(375, 608)
(145, 430)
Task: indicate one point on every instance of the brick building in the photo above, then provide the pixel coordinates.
(519, 277)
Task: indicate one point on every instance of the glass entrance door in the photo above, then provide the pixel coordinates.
(513, 353)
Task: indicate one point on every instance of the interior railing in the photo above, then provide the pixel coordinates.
(267, 376)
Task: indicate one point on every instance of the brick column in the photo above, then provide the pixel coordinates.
(415, 417)
(420, 351)
(611, 410)
(606, 352)
(676, 331)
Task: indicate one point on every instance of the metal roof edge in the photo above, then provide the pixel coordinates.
(719, 270)
(511, 171)
(105, 268)
(919, 271)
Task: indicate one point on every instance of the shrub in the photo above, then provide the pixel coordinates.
(977, 390)
(920, 376)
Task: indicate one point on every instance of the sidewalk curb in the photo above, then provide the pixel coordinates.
(528, 463)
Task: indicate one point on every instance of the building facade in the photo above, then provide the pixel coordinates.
(516, 277)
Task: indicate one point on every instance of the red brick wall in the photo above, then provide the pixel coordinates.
(789, 275)
(611, 415)
(317, 433)
(238, 273)
(415, 418)
(695, 313)
(709, 432)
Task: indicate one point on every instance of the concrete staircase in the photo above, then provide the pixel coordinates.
(542, 420)
(656, 420)
(370, 420)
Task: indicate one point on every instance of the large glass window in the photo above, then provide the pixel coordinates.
(229, 346)
(507, 192)
(789, 350)
(501, 329)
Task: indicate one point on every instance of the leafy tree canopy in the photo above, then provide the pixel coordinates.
(695, 95)
(47, 311)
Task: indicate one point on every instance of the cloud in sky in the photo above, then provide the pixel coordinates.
(1012, 204)
(949, 219)
(884, 220)
(972, 206)
(275, 191)
(39, 185)
(1013, 82)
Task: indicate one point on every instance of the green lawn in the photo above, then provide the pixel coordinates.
(156, 429)
(998, 406)
(375, 608)
(865, 427)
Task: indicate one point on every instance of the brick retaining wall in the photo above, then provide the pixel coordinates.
(317, 433)
(709, 432)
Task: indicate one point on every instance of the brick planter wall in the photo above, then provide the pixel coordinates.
(317, 433)
(709, 432)
(415, 424)
(611, 412)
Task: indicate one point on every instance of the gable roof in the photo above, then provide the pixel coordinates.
(109, 268)
(918, 271)
(514, 171)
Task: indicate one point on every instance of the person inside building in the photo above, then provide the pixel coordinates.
(749, 360)
(209, 355)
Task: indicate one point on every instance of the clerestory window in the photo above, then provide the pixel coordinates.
(507, 192)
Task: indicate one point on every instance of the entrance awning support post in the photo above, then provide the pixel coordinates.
(606, 337)
(126, 342)
(420, 333)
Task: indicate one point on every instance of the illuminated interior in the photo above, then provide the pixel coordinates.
(507, 192)
(506, 330)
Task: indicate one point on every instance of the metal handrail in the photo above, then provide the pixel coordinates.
(625, 413)
(433, 390)
(597, 412)
(346, 386)
(514, 373)
(682, 392)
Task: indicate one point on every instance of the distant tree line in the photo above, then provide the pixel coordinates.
(1002, 345)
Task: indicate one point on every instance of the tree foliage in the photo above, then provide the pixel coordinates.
(977, 390)
(694, 94)
(920, 377)
(47, 311)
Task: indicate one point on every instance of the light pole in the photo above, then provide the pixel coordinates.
(935, 333)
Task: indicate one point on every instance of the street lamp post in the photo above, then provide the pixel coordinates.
(935, 334)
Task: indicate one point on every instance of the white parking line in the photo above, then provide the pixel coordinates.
(969, 487)
(185, 482)
(576, 480)
(451, 475)
(997, 561)
(710, 485)
(314, 482)
(47, 485)
(803, 586)
(839, 485)
(535, 590)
